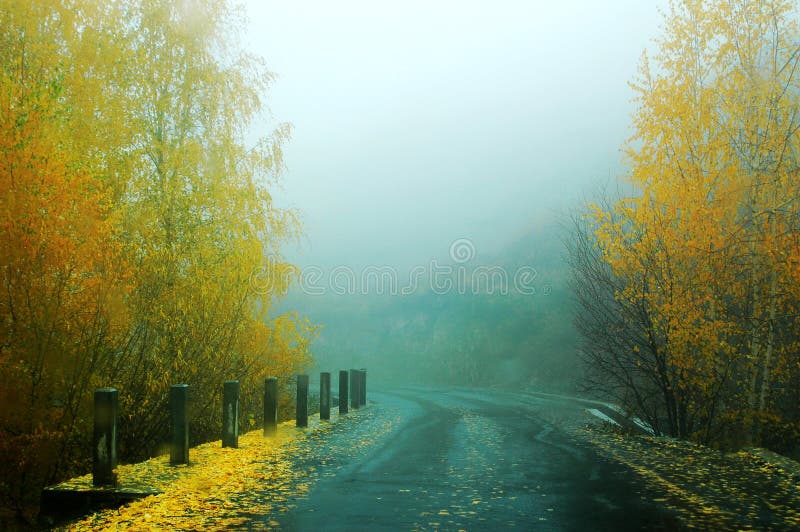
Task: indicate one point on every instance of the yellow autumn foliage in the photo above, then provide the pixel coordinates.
(707, 244)
(134, 215)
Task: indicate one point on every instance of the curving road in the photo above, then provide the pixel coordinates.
(455, 459)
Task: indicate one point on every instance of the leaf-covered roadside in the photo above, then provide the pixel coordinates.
(250, 487)
(709, 489)
(205, 493)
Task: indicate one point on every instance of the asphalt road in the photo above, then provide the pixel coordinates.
(454, 459)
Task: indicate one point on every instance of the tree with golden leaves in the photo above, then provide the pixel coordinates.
(135, 216)
(198, 219)
(708, 242)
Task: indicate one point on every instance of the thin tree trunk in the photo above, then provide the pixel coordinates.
(767, 359)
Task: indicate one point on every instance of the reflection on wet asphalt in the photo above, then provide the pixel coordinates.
(455, 459)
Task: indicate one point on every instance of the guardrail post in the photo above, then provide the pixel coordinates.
(343, 391)
(324, 395)
(302, 401)
(270, 406)
(230, 414)
(363, 387)
(354, 393)
(358, 388)
(104, 453)
(179, 417)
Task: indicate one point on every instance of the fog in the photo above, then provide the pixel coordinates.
(418, 124)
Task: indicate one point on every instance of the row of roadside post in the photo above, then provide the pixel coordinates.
(352, 390)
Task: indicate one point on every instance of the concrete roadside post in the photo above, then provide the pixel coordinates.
(104, 453)
(230, 414)
(325, 395)
(343, 391)
(179, 424)
(302, 401)
(270, 406)
(354, 393)
(363, 387)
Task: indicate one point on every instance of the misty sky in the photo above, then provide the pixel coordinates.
(417, 123)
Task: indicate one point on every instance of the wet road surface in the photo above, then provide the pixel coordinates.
(456, 459)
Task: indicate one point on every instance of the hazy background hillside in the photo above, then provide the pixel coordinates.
(468, 338)
(418, 124)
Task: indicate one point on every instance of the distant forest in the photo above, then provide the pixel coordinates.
(517, 340)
